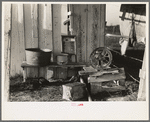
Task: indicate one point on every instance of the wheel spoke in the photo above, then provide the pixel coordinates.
(100, 58)
(104, 52)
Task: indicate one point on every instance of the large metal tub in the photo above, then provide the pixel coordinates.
(39, 57)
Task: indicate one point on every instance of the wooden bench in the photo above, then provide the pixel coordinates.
(24, 65)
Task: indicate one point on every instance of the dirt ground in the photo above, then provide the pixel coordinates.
(34, 90)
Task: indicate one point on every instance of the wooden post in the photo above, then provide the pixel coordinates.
(142, 85)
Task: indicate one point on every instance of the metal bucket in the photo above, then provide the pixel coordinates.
(39, 57)
(62, 59)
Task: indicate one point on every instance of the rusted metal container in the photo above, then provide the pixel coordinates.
(36, 56)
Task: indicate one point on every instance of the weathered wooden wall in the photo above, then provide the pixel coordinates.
(7, 38)
(89, 26)
(41, 25)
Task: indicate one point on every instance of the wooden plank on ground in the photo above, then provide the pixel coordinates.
(7, 42)
(109, 77)
(97, 88)
(31, 39)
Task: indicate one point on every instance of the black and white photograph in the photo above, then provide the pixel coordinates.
(77, 57)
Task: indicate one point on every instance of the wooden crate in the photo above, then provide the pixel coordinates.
(74, 91)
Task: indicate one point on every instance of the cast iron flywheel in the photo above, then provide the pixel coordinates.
(100, 58)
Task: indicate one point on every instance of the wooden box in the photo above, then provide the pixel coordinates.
(68, 44)
(74, 91)
(97, 84)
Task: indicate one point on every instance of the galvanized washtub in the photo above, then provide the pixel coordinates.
(37, 56)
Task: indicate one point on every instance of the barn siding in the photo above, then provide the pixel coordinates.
(41, 25)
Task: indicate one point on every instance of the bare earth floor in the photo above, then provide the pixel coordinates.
(33, 91)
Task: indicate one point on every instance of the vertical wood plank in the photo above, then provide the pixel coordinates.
(59, 16)
(102, 25)
(56, 34)
(89, 31)
(94, 28)
(79, 29)
(17, 45)
(34, 17)
(7, 42)
(31, 32)
(93, 25)
(28, 26)
(45, 31)
(62, 72)
(83, 32)
(56, 30)
(63, 18)
(42, 27)
(14, 41)
(21, 38)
